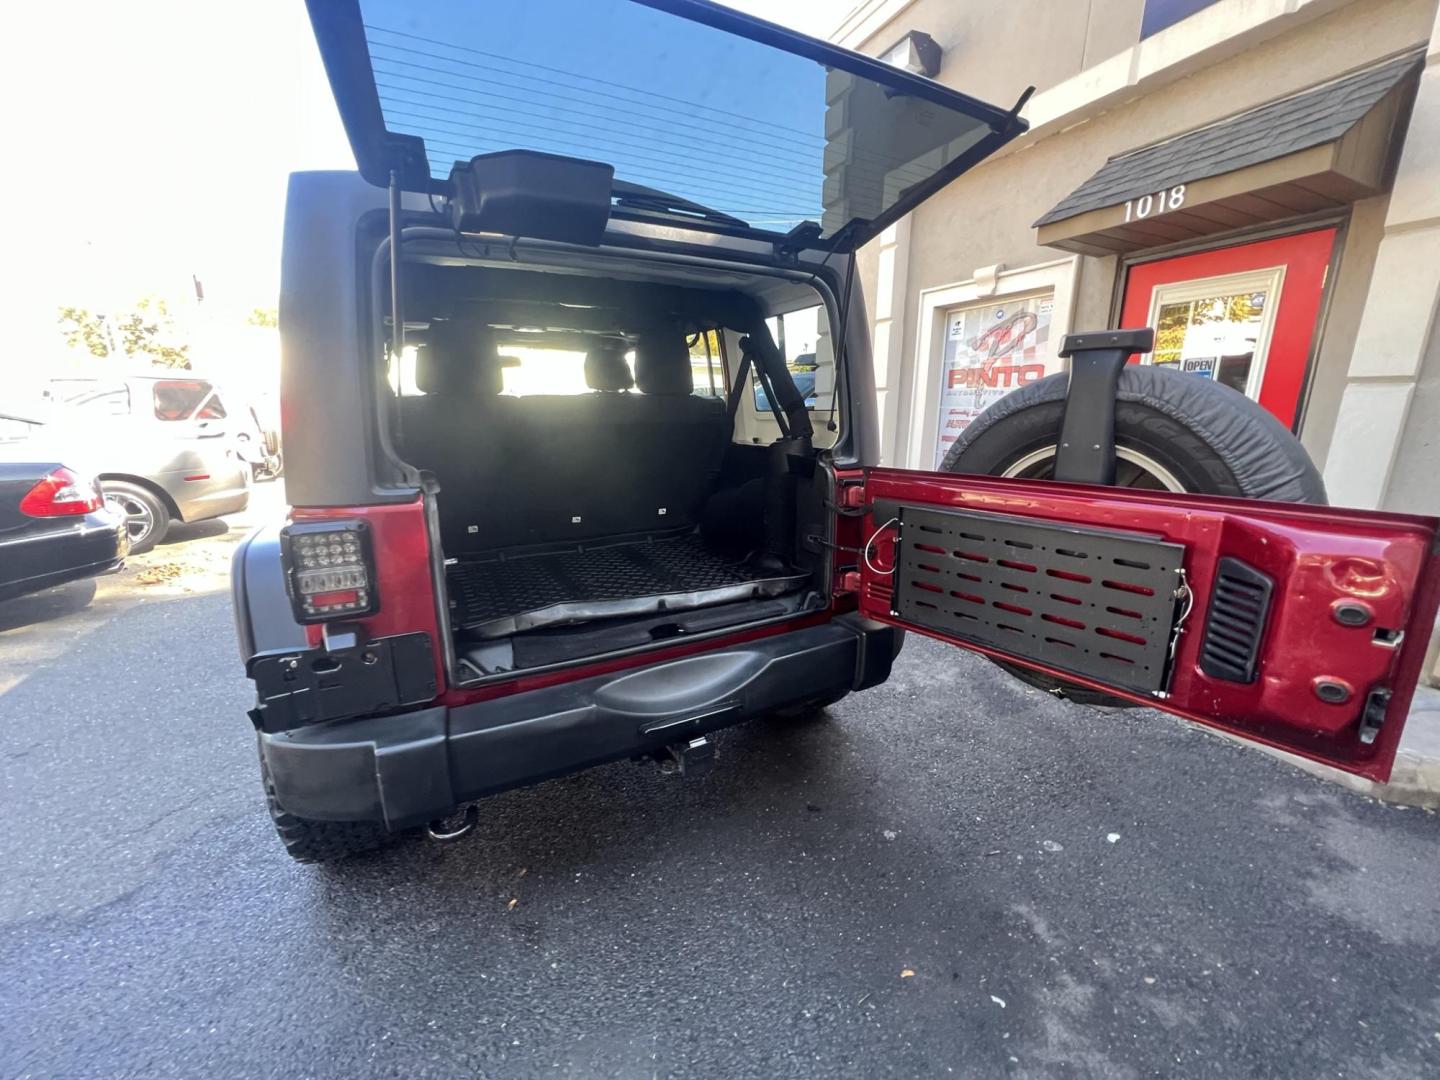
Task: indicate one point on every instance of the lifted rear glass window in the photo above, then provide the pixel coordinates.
(760, 134)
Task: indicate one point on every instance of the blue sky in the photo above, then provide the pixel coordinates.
(158, 134)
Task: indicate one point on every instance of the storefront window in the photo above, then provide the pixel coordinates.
(1216, 329)
(990, 350)
(1214, 336)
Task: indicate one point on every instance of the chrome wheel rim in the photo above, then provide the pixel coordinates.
(1133, 469)
(139, 521)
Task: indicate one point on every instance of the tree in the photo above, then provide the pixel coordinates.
(147, 331)
(266, 317)
(84, 329)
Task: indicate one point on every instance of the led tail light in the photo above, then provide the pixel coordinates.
(330, 572)
(62, 493)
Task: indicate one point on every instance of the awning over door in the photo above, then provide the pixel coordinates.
(1322, 148)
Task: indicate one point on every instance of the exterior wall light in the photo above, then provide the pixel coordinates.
(916, 52)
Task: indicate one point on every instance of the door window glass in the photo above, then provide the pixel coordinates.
(91, 396)
(990, 350)
(15, 429)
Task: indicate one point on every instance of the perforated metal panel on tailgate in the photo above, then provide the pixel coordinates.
(1089, 601)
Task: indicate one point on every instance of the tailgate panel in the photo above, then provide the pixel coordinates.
(1094, 602)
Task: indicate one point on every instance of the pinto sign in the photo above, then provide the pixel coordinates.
(989, 351)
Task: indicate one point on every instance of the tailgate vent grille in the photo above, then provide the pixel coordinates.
(1235, 623)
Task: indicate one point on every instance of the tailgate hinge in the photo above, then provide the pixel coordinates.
(1372, 717)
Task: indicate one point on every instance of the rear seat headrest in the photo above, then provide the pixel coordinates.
(606, 369)
(460, 358)
(662, 363)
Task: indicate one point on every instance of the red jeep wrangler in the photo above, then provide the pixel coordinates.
(557, 500)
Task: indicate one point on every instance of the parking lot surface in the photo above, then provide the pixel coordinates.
(950, 875)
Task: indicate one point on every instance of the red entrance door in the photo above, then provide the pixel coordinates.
(1244, 315)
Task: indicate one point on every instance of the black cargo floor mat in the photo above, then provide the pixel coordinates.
(495, 597)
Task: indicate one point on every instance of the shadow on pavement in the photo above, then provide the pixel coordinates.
(43, 607)
(182, 532)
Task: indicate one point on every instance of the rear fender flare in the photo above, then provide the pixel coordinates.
(264, 620)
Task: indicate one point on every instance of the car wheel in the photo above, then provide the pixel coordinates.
(147, 518)
(1173, 432)
(309, 841)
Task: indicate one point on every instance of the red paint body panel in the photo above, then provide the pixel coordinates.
(1316, 555)
(1305, 257)
(400, 544)
(407, 605)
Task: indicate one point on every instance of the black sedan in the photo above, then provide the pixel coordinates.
(54, 526)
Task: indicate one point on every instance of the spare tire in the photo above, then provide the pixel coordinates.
(1173, 432)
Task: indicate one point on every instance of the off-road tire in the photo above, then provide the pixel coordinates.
(309, 841)
(1213, 439)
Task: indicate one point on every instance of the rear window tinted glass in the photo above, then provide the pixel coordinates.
(760, 134)
(179, 399)
(530, 371)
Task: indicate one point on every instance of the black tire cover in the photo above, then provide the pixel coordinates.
(1267, 461)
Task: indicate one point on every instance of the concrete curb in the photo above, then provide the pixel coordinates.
(1415, 780)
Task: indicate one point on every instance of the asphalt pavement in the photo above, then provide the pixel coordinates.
(950, 875)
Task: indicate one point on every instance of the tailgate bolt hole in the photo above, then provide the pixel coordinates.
(1332, 691)
(1351, 613)
(370, 657)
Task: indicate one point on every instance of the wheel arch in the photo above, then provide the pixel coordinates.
(149, 485)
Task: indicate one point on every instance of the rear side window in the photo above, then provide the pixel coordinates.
(806, 352)
(184, 399)
(707, 365)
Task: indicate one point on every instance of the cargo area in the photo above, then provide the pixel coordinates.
(592, 494)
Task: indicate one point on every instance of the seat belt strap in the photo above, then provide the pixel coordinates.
(737, 388)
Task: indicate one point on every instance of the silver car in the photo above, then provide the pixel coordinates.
(162, 446)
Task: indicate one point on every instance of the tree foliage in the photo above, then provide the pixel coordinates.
(144, 332)
(266, 317)
(84, 329)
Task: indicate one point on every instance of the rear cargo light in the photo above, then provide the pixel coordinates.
(62, 493)
(329, 569)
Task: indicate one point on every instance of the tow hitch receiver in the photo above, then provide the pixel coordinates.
(693, 757)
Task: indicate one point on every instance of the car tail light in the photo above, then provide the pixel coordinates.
(329, 569)
(62, 493)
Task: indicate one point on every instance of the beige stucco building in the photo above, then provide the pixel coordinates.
(1260, 179)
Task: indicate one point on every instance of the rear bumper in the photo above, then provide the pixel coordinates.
(93, 545)
(409, 768)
